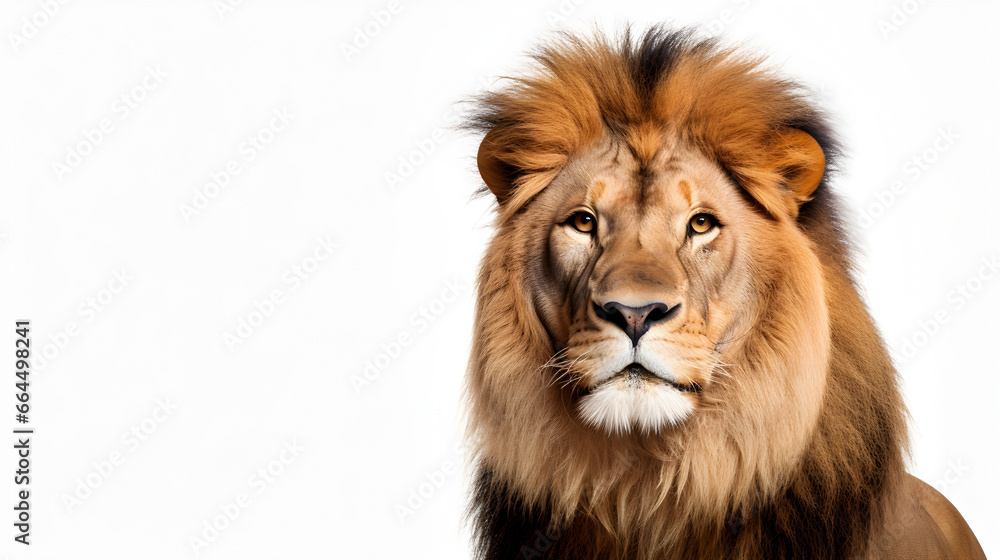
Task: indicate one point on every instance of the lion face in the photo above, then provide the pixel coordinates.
(643, 281)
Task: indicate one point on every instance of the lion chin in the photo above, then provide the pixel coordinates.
(635, 398)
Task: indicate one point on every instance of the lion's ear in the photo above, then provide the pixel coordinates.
(498, 175)
(798, 157)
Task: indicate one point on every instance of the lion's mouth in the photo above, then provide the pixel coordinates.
(637, 398)
(635, 375)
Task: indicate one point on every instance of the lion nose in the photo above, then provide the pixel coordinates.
(635, 321)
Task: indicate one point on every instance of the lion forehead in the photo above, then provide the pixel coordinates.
(609, 178)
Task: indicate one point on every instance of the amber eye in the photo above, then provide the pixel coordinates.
(584, 222)
(702, 223)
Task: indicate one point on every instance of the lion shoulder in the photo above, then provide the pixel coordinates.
(928, 526)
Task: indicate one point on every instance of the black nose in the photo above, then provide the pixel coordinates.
(635, 321)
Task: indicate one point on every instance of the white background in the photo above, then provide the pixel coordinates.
(352, 116)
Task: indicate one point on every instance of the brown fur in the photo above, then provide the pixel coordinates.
(795, 446)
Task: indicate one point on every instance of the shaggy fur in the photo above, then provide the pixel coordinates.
(800, 454)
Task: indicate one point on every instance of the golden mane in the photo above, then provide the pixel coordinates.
(720, 488)
(719, 98)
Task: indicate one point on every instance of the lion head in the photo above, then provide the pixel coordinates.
(671, 359)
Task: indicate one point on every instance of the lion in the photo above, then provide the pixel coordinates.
(670, 357)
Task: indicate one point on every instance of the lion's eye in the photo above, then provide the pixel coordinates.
(702, 223)
(584, 222)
